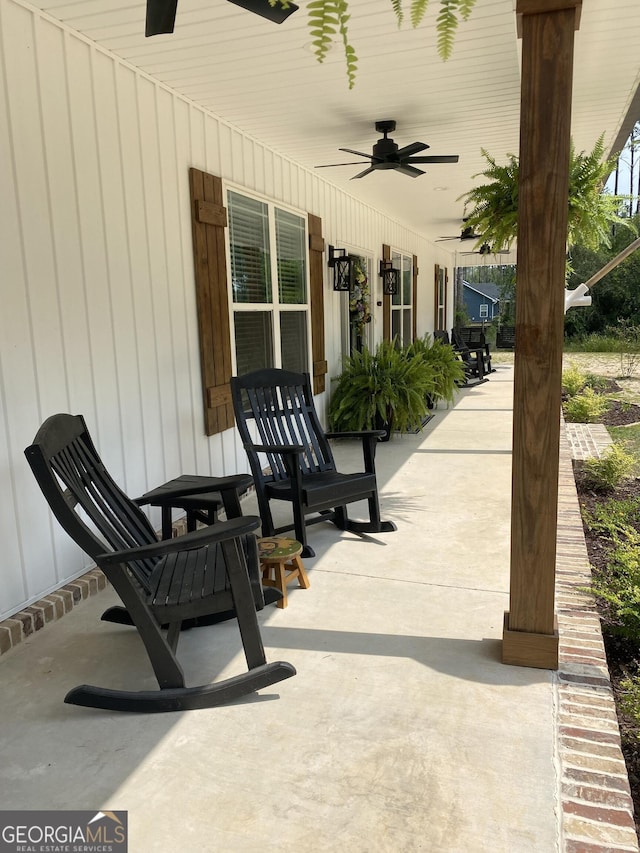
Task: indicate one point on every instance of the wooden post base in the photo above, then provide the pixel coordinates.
(520, 648)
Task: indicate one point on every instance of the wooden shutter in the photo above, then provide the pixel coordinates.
(386, 300)
(209, 219)
(414, 297)
(316, 295)
(437, 322)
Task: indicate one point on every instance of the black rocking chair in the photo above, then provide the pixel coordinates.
(162, 584)
(278, 405)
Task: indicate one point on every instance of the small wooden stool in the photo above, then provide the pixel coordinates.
(280, 564)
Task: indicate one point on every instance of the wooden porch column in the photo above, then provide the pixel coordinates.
(547, 28)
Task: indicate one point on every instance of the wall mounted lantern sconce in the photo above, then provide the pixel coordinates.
(390, 278)
(343, 269)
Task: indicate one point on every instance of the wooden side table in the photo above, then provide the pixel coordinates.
(280, 564)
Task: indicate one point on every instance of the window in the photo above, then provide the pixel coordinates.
(440, 298)
(269, 287)
(401, 302)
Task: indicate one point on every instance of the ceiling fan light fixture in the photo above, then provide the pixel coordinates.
(277, 14)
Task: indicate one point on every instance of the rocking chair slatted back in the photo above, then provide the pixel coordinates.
(277, 407)
(82, 481)
(285, 414)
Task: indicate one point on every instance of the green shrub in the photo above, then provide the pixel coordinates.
(596, 342)
(607, 472)
(598, 383)
(573, 380)
(618, 588)
(630, 697)
(613, 519)
(587, 407)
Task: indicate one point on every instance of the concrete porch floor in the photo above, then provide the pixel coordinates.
(402, 730)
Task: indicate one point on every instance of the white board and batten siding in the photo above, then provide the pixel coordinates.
(98, 312)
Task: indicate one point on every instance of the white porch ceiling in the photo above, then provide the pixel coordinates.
(264, 79)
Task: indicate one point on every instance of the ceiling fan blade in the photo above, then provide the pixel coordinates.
(366, 172)
(331, 165)
(276, 13)
(161, 17)
(359, 153)
(435, 158)
(466, 234)
(410, 150)
(409, 170)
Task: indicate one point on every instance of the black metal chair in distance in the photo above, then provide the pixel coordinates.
(277, 405)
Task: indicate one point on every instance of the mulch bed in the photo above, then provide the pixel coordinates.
(623, 656)
(621, 414)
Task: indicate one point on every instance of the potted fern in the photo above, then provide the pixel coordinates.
(386, 389)
(448, 369)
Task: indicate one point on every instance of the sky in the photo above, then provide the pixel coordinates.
(624, 187)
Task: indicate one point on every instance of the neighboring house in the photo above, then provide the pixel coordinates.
(481, 301)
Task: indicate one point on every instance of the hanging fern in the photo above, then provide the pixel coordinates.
(592, 212)
(328, 18)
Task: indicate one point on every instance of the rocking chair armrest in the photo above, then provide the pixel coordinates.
(370, 439)
(219, 532)
(364, 434)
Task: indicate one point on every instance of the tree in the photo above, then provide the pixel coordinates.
(617, 296)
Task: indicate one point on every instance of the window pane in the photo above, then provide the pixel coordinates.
(406, 325)
(254, 340)
(406, 280)
(291, 254)
(249, 241)
(293, 341)
(396, 331)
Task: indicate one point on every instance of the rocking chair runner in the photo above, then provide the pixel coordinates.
(279, 405)
(159, 582)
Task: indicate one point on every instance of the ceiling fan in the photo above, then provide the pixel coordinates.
(467, 233)
(485, 249)
(387, 155)
(161, 14)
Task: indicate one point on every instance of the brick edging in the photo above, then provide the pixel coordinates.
(597, 809)
(49, 608)
(58, 603)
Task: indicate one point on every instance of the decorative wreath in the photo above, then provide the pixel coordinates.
(359, 304)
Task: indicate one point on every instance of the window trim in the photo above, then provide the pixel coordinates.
(402, 306)
(275, 307)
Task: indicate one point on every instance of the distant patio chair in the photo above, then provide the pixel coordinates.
(473, 360)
